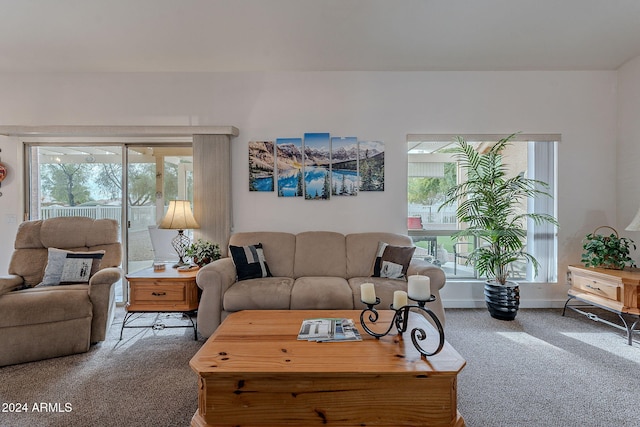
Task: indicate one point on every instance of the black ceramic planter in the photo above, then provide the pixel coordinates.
(502, 301)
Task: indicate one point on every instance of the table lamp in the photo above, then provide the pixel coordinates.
(179, 217)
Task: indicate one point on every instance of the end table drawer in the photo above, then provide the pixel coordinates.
(592, 285)
(153, 293)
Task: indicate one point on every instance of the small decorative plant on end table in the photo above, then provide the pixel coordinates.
(609, 251)
(202, 252)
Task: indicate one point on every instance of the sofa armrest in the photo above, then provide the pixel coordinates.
(214, 279)
(9, 283)
(102, 297)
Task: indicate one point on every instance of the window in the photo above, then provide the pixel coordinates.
(432, 169)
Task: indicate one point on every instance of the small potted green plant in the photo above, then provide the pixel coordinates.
(202, 252)
(609, 251)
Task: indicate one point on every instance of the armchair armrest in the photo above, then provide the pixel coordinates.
(214, 279)
(102, 296)
(9, 283)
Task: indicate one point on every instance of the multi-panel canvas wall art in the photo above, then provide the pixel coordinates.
(344, 166)
(317, 163)
(261, 165)
(371, 163)
(289, 166)
(316, 167)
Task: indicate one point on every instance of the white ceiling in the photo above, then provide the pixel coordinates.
(316, 35)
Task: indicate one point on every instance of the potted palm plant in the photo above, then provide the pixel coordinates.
(490, 204)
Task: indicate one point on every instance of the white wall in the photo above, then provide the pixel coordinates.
(370, 105)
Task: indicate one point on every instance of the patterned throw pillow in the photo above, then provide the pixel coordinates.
(392, 261)
(250, 262)
(66, 267)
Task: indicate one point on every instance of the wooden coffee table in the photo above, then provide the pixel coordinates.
(253, 371)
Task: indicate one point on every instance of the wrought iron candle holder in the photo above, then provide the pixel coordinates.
(401, 322)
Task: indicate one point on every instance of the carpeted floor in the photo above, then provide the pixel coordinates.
(540, 370)
(143, 380)
(543, 369)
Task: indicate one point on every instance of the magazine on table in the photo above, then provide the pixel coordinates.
(329, 330)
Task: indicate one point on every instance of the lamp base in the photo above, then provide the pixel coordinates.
(180, 244)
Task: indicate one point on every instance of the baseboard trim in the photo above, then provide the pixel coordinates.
(449, 303)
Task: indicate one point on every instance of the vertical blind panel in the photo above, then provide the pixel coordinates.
(543, 165)
(426, 170)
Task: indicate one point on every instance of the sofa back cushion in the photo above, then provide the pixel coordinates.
(278, 248)
(361, 250)
(320, 253)
(78, 234)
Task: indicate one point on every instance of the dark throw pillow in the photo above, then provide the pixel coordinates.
(66, 267)
(392, 261)
(249, 261)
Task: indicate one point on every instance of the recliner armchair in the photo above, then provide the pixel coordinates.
(43, 322)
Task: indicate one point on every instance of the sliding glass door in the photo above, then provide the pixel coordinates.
(155, 175)
(90, 180)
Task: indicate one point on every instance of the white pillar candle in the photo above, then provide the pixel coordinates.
(399, 299)
(368, 293)
(419, 288)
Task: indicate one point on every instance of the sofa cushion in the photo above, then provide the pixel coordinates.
(270, 293)
(278, 247)
(362, 247)
(392, 261)
(320, 293)
(320, 253)
(65, 267)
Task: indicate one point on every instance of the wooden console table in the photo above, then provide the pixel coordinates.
(617, 291)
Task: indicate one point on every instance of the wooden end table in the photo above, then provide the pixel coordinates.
(170, 290)
(617, 291)
(253, 371)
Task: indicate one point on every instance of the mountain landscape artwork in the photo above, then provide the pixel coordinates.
(289, 162)
(261, 165)
(317, 166)
(371, 162)
(344, 166)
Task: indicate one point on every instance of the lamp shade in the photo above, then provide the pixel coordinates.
(179, 216)
(635, 223)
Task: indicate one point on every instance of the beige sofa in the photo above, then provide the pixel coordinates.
(43, 322)
(311, 270)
